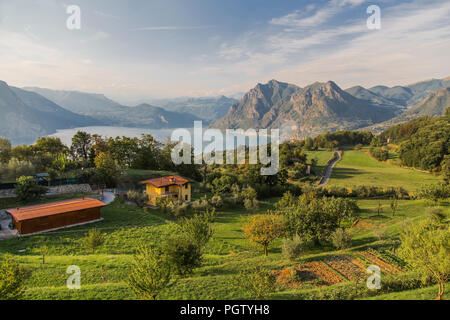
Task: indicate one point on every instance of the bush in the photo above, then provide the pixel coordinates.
(27, 189)
(201, 204)
(341, 239)
(216, 201)
(257, 282)
(182, 254)
(434, 192)
(12, 277)
(139, 198)
(94, 239)
(150, 273)
(379, 153)
(197, 229)
(292, 248)
(251, 204)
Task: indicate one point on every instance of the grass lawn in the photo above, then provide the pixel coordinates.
(428, 293)
(322, 157)
(358, 168)
(104, 273)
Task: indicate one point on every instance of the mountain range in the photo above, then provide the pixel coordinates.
(30, 112)
(309, 111)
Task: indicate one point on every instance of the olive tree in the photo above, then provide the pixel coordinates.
(426, 247)
(150, 273)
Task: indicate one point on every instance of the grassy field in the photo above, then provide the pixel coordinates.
(322, 158)
(359, 168)
(104, 274)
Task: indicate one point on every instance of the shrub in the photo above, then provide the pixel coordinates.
(139, 198)
(292, 248)
(182, 254)
(12, 277)
(94, 239)
(257, 282)
(434, 192)
(150, 273)
(197, 229)
(216, 201)
(251, 204)
(379, 153)
(341, 239)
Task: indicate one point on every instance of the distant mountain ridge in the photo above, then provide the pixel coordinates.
(111, 113)
(31, 112)
(207, 108)
(301, 112)
(26, 116)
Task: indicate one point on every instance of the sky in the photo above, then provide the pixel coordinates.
(143, 49)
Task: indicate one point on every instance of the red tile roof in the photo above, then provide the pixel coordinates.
(166, 181)
(48, 209)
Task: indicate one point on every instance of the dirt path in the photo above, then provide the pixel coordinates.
(326, 177)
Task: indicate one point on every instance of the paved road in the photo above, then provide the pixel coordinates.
(326, 177)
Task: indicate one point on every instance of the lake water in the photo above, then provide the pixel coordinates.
(161, 135)
(111, 132)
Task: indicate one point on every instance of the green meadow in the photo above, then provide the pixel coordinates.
(358, 168)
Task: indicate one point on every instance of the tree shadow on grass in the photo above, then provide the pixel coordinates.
(344, 173)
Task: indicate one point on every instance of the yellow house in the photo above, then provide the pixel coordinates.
(173, 187)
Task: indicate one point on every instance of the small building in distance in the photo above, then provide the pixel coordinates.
(55, 215)
(173, 187)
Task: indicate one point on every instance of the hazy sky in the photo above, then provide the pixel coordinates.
(141, 49)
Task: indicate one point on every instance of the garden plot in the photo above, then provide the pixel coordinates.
(334, 270)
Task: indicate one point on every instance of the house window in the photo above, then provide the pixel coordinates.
(186, 197)
(185, 186)
(167, 189)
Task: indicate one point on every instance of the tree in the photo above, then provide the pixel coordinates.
(394, 205)
(81, 146)
(342, 208)
(263, 229)
(426, 247)
(434, 192)
(12, 277)
(123, 150)
(198, 229)
(108, 171)
(27, 189)
(139, 198)
(258, 282)
(94, 239)
(379, 208)
(5, 150)
(150, 273)
(44, 252)
(312, 219)
(49, 145)
(182, 254)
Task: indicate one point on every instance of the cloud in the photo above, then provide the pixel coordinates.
(99, 35)
(412, 44)
(106, 15)
(299, 18)
(171, 28)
